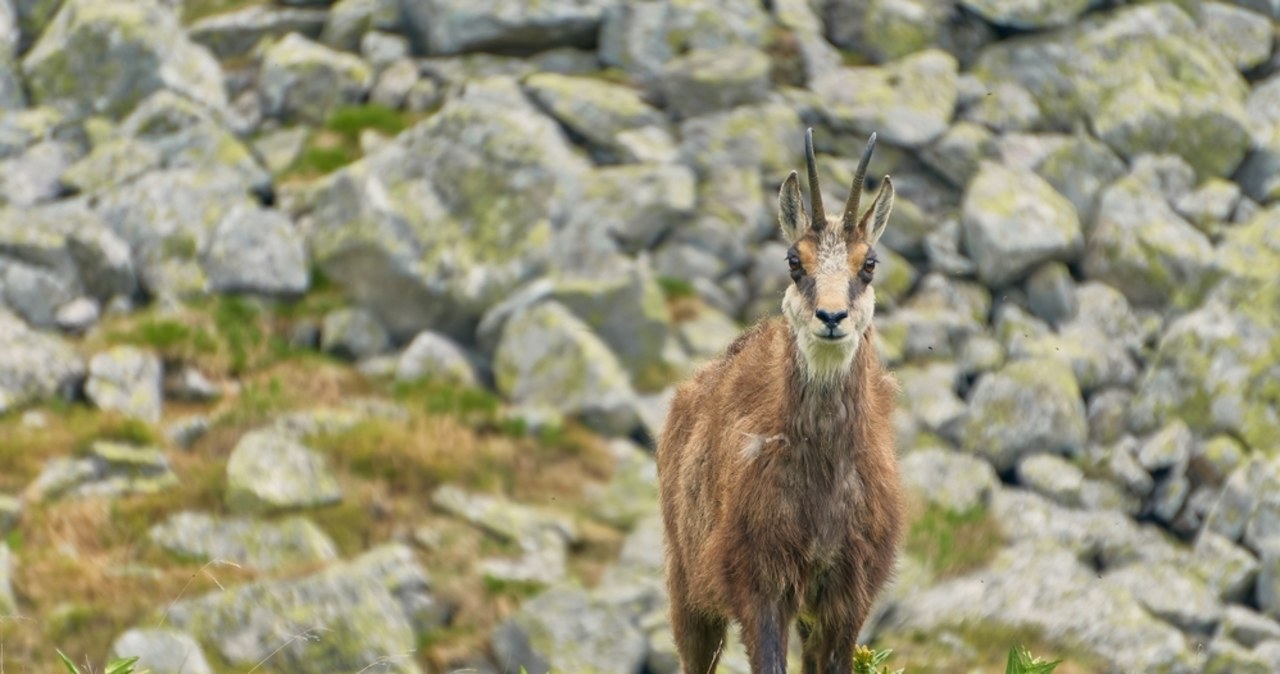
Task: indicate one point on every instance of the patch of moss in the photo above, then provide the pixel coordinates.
(952, 543)
(194, 10)
(515, 589)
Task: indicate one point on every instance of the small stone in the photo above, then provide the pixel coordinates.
(186, 431)
(354, 334)
(957, 482)
(78, 315)
(437, 358)
(262, 546)
(1244, 36)
(259, 251)
(1055, 477)
(10, 513)
(188, 384)
(394, 84)
(1172, 595)
(302, 80)
(126, 379)
(269, 470)
(1230, 570)
(1248, 627)
(1051, 293)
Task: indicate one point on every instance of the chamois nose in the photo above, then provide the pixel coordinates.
(831, 319)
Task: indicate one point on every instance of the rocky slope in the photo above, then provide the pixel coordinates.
(333, 334)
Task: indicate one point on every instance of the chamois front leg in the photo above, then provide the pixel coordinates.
(764, 631)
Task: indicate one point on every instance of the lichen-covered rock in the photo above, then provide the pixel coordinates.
(954, 481)
(640, 37)
(542, 537)
(1176, 93)
(1079, 168)
(104, 56)
(32, 177)
(1051, 293)
(263, 546)
(1141, 247)
(437, 358)
(706, 81)
(34, 292)
(565, 629)
(1027, 14)
(957, 153)
(706, 334)
(353, 333)
(1244, 36)
(114, 161)
(896, 28)
(1067, 605)
(127, 380)
(628, 311)
(235, 33)
(1229, 569)
(548, 356)
(269, 470)
(256, 251)
(611, 117)
(1259, 175)
(34, 366)
(451, 217)
(929, 393)
(1248, 627)
(1028, 406)
(455, 26)
(908, 102)
(1201, 374)
(635, 206)
(359, 612)
(1013, 221)
(632, 491)
(1171, 594)
(748, 136)
(302, 80)
(1053, 476)
(108, 469)
(1003, 106)
(161, 651)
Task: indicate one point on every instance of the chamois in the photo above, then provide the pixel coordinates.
(779, 480)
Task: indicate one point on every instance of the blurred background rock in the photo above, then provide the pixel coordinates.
(334, 335)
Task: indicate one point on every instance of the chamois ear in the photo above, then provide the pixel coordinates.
(791, 213)
(876, 219)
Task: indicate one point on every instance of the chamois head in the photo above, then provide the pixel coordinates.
(833, 263)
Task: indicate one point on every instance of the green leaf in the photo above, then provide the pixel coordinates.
(1021, 662)
(121, 666)
(71, 666)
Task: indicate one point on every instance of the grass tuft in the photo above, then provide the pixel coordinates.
(953, 543)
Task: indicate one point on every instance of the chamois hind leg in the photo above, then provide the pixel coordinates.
(764, 631)
(699, 639)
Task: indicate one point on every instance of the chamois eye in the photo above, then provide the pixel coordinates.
(868, 270)
(797, 271)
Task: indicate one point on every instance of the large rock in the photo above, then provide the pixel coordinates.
(1027, 407)
(567, 630)
(1244, 36)
(634, 206)
(761, 137)
(618, 125)
(1144, 249)
(434, 357)
(127, 380)
(641, 37)
(706, 81)
(456, 26)
(262, 546)
(1013, 221)
(1027, 14)
(34, 366)
(549, 357)
(269, 470)
(1171, 594)
(341, 619)
(954, 481)
(235, 33)
(162, 651)
(256, 251)
(908, 103)
(304, 81)
(1049, 591)
(451, 217)
(1259, 175)
(1175, 92)
(104, 56)
(107, 469)
(541, 537)
(32, 178)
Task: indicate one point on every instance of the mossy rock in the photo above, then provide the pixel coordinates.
(1027, 406)
(908, 102)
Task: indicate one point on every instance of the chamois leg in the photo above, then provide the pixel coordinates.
(699, 640)
(764, 631)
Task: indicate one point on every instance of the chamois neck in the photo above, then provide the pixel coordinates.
(824, 407)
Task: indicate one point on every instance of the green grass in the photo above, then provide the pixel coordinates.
(674, 287)
(337, 142)
(1019, 661)
(194, 10)
(952, 543)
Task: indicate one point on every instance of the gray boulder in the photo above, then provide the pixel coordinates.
(34, 366)
(1177, 93)
(1051, 293)
(263, 546)
(1048, 590)
(1027, 14)
(632, 492)
(956, 482)
(929, 393)
(707, 81)
(127, 380)
(542, 537)
(565, 629)
(348, 20)
(640, 38)
(1054, 477)
(1013, 221)
(761, 137)
(435, 357)
(454, 26)
(1259, 175)
(269, 470)
(1171, 594)
(1248, 627)
(236, 33)
(547, 356)
(1026, 407)
(355, 334)
(1210, 206)
(618, 125)
(113, 161)
(35, 293)
(1244, 36)
(908, 102)
(364, 611)
(303, 80)
(108, 469)
(958, 152)
(634, 206)
(161, 651)
(1079, 167)
(429, 232)
(1144, 249)
(104, 56)
(1230, 570)
(33, 177)
(256, 251)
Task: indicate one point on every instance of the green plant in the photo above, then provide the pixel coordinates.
(869, 661)
(118, 666)
(1022, 662)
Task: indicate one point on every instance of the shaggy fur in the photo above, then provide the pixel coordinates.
(779, 480)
